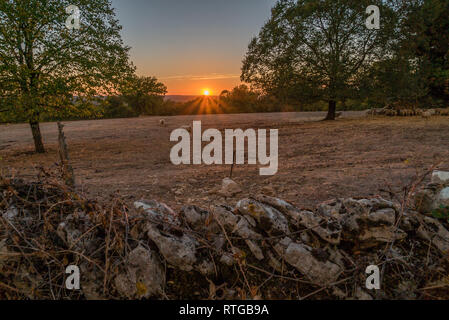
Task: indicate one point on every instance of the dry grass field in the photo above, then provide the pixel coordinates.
(354, 156)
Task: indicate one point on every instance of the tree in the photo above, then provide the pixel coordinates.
(317, 50)
(398, 79)
(46, 69)
(240, 99)
(116, 107)
(427, 41)
(417, 71)
(143, 94)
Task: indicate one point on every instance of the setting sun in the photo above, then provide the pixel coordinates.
(206, 92)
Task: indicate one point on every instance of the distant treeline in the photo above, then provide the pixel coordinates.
(241, 99)
(152, 102)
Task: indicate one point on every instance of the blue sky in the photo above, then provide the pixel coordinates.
(191, 45)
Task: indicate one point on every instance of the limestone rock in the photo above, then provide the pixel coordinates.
(195, 216)
(432, 230)
(229, 188)
(227, 259)
(370, 222)
(158, 212)
(364, 206)
(225, 217)
(144, 276)
(74, 231)
(327, 227)
(178, 251)
(373, 236)
(440, 177)
(425, 200)
(315, 267)
(443, 198)
(11, 213)
(432, 197)
(243, 229)
(268, 218)
(331, 208)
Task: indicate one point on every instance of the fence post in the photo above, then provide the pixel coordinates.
(67, 170)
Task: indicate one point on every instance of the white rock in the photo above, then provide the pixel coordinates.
(443, 198)
(325, 226)
(227, 259)
(267, 217)
(11, 213)
(384, 216)
(371, 222)
(229, 188)
(178, 251)
(144, 277)
(425, 201)
(158, 211)
(432, 230)
(373, 236)
(243, 229)
(195, 216)
(330, 208)
(225, 217)
(322, 272)
(440, 177)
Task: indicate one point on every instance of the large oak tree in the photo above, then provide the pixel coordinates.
(47, 69)
(317, 49)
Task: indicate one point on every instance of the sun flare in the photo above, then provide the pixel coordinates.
(206, 92)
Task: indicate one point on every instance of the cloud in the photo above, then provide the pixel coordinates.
(212, 76)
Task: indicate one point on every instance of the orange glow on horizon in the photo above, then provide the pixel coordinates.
(196, 87)
(205, 105)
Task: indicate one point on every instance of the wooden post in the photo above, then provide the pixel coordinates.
(67, 170)
(233, 163)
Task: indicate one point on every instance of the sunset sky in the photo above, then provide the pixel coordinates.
(191, 45)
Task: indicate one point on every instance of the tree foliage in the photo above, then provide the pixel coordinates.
(317, 50)
(47, 70)
(144, 94)
(427, 44)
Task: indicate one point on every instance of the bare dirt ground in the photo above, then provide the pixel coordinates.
(318, 161)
